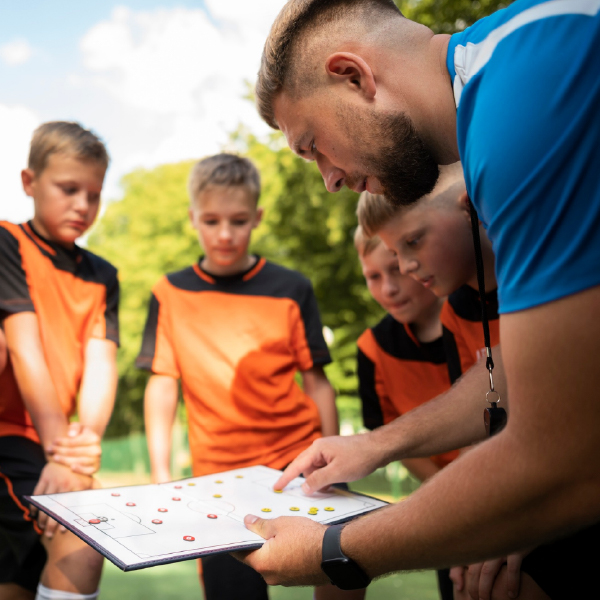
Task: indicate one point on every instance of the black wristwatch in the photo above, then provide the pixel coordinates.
(342, 571)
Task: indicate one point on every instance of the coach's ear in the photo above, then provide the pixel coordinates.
(351, 70)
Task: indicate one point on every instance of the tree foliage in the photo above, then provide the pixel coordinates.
(449, 16)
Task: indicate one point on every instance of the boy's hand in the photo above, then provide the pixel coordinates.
(54, 479)
(80, 450)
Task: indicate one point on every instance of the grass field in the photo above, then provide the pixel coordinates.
(179, 580)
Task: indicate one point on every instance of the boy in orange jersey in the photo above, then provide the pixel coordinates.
(236, 330)
(433, 243)
(401, 361)
(58, 307)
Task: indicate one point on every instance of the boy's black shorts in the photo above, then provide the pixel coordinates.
(22, 556)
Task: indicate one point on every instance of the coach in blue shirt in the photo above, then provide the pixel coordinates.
(378, 102)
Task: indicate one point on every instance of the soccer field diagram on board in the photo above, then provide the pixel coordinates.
(145, 525)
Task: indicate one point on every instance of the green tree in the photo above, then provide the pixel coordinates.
(449, 16)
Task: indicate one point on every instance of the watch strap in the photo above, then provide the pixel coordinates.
(342, 571)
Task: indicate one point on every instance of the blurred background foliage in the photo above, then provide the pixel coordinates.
(147, 233)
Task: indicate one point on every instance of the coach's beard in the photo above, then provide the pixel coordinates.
(404, 166)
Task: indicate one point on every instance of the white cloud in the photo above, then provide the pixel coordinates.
(182, 72)
(17, 125)
(16, 52)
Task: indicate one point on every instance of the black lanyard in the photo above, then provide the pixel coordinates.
(493, 417)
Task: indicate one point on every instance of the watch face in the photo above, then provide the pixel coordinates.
(336, 569)
(345, 573)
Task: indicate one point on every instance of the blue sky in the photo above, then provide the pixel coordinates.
(159, 81)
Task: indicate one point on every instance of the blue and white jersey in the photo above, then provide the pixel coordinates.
(527, 88)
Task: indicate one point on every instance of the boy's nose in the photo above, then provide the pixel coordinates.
(407, 266)
(81, 203)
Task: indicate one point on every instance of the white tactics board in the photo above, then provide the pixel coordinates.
(145, 525)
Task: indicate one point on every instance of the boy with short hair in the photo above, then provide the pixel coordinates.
(58, 307)
(433, 243)
(235, 329)
(401, 361)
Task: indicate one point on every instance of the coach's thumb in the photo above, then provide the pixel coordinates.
(259, 526)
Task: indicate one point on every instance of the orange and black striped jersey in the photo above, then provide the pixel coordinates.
(463, 328)
(397, 373)
(75, 295)
(237, 343)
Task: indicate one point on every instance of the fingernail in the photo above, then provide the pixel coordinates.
(306, 488)
(512, 595)
(250, 519)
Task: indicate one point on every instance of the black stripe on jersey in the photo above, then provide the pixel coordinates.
(273, 281)
(371, 405)
(466, 304)
(393, 339)
(452, 355)
(14, 292)
(146, 355)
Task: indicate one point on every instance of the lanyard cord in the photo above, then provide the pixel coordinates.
(489, 363)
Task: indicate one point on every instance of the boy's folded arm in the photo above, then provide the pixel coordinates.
(80, 449)
(160, 406)
(317, 386)
(421, 468)
(33, 377)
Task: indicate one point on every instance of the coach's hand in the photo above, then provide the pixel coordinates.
(292, 553)
(54, 479)
(334, 459)
(79, 450)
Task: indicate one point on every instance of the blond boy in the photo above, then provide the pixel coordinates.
(58, 307)
(235, 329)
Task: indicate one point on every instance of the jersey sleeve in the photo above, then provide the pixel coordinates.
(157, 353)
(14, 291)
(309, 332)
(377, 409)
(111, 313)
(528, 131)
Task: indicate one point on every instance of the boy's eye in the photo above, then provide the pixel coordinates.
(373, 277)
(210, 221)
(69, 190)
(412, 242)
(240, 222)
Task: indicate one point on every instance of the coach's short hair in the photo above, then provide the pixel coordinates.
(224, 170)
(64, 137)
(298, 19)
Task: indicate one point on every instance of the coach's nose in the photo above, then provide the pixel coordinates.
(333, 177)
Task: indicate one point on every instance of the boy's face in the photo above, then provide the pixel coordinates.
(224, 218)
(433, 245)
(400, 295)
(66, 197)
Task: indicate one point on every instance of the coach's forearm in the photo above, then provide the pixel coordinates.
(450, 421)
(482, 505)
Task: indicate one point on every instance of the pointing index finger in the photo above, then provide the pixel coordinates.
(298, 466)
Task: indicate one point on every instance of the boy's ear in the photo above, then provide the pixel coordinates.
(258, 216)
(352, 70)
(27, 178)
